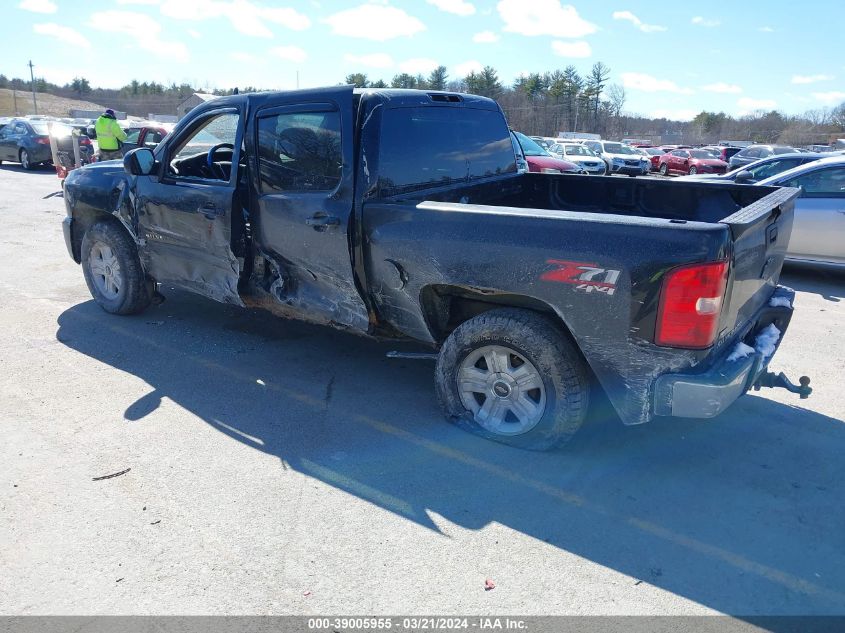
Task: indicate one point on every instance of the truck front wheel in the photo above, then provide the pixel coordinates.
(511, 376)
(113, 270)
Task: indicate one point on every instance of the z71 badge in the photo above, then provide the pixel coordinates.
(586, 277)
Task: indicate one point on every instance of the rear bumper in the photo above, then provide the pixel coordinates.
(708, 393)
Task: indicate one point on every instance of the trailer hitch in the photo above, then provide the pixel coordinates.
(769, 379)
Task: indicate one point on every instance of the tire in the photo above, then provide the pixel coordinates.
(23, 155)
(692, 170)
(526, 347)
(113, 269)
(664, 169)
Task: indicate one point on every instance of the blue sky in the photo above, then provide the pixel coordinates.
(674, 59)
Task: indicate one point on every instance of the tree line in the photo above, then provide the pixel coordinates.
(562, 100)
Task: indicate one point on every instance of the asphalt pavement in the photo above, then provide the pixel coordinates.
(265, 466)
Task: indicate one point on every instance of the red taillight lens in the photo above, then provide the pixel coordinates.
(85, 141)
(42, 140)
(690, 305)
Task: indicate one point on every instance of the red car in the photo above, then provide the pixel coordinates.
(690, 161)
(539, 160)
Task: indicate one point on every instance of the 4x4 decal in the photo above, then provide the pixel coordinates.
(585, 276)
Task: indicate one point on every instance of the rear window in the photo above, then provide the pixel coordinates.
(425, 146)
(784, 150)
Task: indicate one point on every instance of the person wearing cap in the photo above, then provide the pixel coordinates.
(109, 135)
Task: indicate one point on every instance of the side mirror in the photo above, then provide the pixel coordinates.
(139, 162)
(744, 176)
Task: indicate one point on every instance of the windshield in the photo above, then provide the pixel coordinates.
(576, 150)
(784, 150)
(530, 146)
(700, 153)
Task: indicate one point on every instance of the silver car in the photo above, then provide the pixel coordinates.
(818, 232)
(580, 154)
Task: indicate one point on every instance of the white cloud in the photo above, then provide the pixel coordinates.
(675, 115)
(458, 7)
(62, 33)
(374, 60)
(418, 65)
(194, 33)
(143, 29)
(748, 105)
(147, 2)
(640, 81)
(472, 66)
(766, 29)
(829, 97)
(38, 6)
(290, 53)
(374, 22)
(571, 49)
(810, 79)
(700, 21)
(485, 37)
(246, 58)
(722, 88)
(543, 17)
(633, 19)
(244, 16)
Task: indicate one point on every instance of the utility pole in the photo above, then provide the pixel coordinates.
(32, 83)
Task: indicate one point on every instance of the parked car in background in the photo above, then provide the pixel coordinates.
(580, 155)
(540, 161)
(619, 158)
(542, 141)
(690, 161)
(754, 153)
(653, 154)
(760, 170)
(27, 142)
(818, 229)
(144, 136)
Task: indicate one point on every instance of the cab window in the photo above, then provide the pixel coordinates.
(299, 151)
(190, 158)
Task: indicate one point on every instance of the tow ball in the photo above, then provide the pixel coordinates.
(769, 379)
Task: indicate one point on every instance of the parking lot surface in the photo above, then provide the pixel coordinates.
(276, 467)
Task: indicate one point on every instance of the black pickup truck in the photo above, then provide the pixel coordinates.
(401, 214)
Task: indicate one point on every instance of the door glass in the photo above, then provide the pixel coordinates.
(299, 151)
(190, 158)
(821, 183)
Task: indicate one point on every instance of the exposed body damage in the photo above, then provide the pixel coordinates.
(358, 243)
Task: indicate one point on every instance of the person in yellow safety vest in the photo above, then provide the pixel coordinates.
(109, 136)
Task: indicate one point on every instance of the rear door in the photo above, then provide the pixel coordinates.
(819, 229)
(303, 195)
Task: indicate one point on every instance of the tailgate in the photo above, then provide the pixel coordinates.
(760, 233)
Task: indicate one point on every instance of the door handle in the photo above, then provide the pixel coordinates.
(209, 210)
(321, 222)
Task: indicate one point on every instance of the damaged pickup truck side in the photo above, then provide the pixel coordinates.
(401, 214)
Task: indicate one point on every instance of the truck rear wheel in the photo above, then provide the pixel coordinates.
(511, 376)
(113, 270)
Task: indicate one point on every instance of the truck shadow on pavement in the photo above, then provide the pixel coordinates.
(829, 283)
(742, 514)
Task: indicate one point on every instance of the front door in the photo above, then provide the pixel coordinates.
(303, 193)
(185, 209)
(818, 231)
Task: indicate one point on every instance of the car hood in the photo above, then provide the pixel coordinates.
(548, 162)
(625, 156)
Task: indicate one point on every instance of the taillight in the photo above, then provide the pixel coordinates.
(42, 140)
(85, 141)
(690, 305)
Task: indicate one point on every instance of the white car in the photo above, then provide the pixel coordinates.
(620, 158)
(580, 154)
